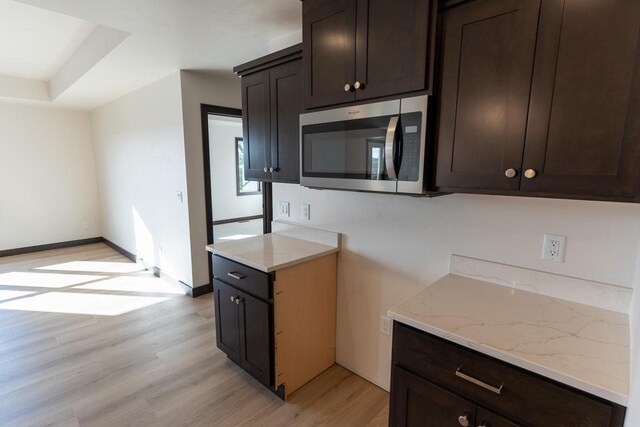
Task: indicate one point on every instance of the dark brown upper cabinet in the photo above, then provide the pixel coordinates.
(488, 48)
(364, 49)
(256, 121)
(271, 105)
(540, 98)
(583, 133)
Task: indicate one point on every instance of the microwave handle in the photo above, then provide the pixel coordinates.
(390, 148)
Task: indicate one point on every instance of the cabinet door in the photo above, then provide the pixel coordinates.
(227, 320)
(395, 43)
(256, 337)
(417, 402)
(584, 133)
(256, 120)
(487, 61)
(489, 419)
(329, 29)
(286, 106)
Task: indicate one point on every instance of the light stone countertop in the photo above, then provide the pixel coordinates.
(271, 252)
(576, 344)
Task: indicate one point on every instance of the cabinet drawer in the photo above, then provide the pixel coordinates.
(245, 278)
(520, 395)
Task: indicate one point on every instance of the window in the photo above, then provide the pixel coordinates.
(244, 187)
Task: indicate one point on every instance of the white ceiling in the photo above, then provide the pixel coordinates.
(35, 43)
(164, 36)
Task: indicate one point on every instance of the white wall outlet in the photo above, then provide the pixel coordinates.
(180, 198)
(306, 211)
(85, 225)
(385, 325)
(284, 209)
(553, 247)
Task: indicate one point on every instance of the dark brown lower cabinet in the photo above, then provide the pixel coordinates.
(277, 326)
(437, 383)
(227, 320)
(243, 330)
(486, 418)
(418, 402)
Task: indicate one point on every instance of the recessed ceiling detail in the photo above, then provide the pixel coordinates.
(42, 53)
(115, 47)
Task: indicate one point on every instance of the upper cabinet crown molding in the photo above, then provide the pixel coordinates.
(364, 49)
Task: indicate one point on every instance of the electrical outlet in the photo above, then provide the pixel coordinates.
(553, 247)
(284, 209)
(385, 325)
(306, 212)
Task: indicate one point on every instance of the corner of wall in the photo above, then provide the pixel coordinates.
(219, 88)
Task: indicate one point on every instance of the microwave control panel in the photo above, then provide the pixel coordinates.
(411, 136)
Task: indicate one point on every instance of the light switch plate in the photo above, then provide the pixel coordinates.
(385, 325)
(306, 211)
(284, 209)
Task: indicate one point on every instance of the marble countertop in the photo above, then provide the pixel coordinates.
(579, 345)
(271, 252)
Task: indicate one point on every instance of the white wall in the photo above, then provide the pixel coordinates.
(140, 158)
(395, 245)
(633, 412)
(47, 176)
(224, 195)
(213, 88)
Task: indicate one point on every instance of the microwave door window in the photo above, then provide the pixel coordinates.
(350, 150)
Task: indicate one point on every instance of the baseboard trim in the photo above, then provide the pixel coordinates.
(49, 246)
(197, 291)
(201, 290)
(119, 249)
(242, 218)
(192, 292)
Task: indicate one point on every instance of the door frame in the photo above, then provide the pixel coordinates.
(267, 208)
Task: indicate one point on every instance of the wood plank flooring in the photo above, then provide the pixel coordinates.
(87, 338)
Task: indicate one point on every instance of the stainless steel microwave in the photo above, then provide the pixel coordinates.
(374, 147)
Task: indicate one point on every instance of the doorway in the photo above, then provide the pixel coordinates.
(236, 207)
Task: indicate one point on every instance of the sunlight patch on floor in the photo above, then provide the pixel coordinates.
(134, 284)
(96, 267)
(45, 280)
(80, 303)
(5, 295)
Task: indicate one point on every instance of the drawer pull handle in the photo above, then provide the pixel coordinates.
(236, 276)
(496, 390)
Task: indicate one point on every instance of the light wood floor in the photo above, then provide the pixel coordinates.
(84, 340)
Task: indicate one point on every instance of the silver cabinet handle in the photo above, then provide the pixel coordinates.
(511, 173)
(463, 420)
(389, 147)
(496, 390)
(265, 169)
(358, 85)
(347, 87)
(270, 169)
(239, 300)
(233, 299)
(530, 173)
(236, 276)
